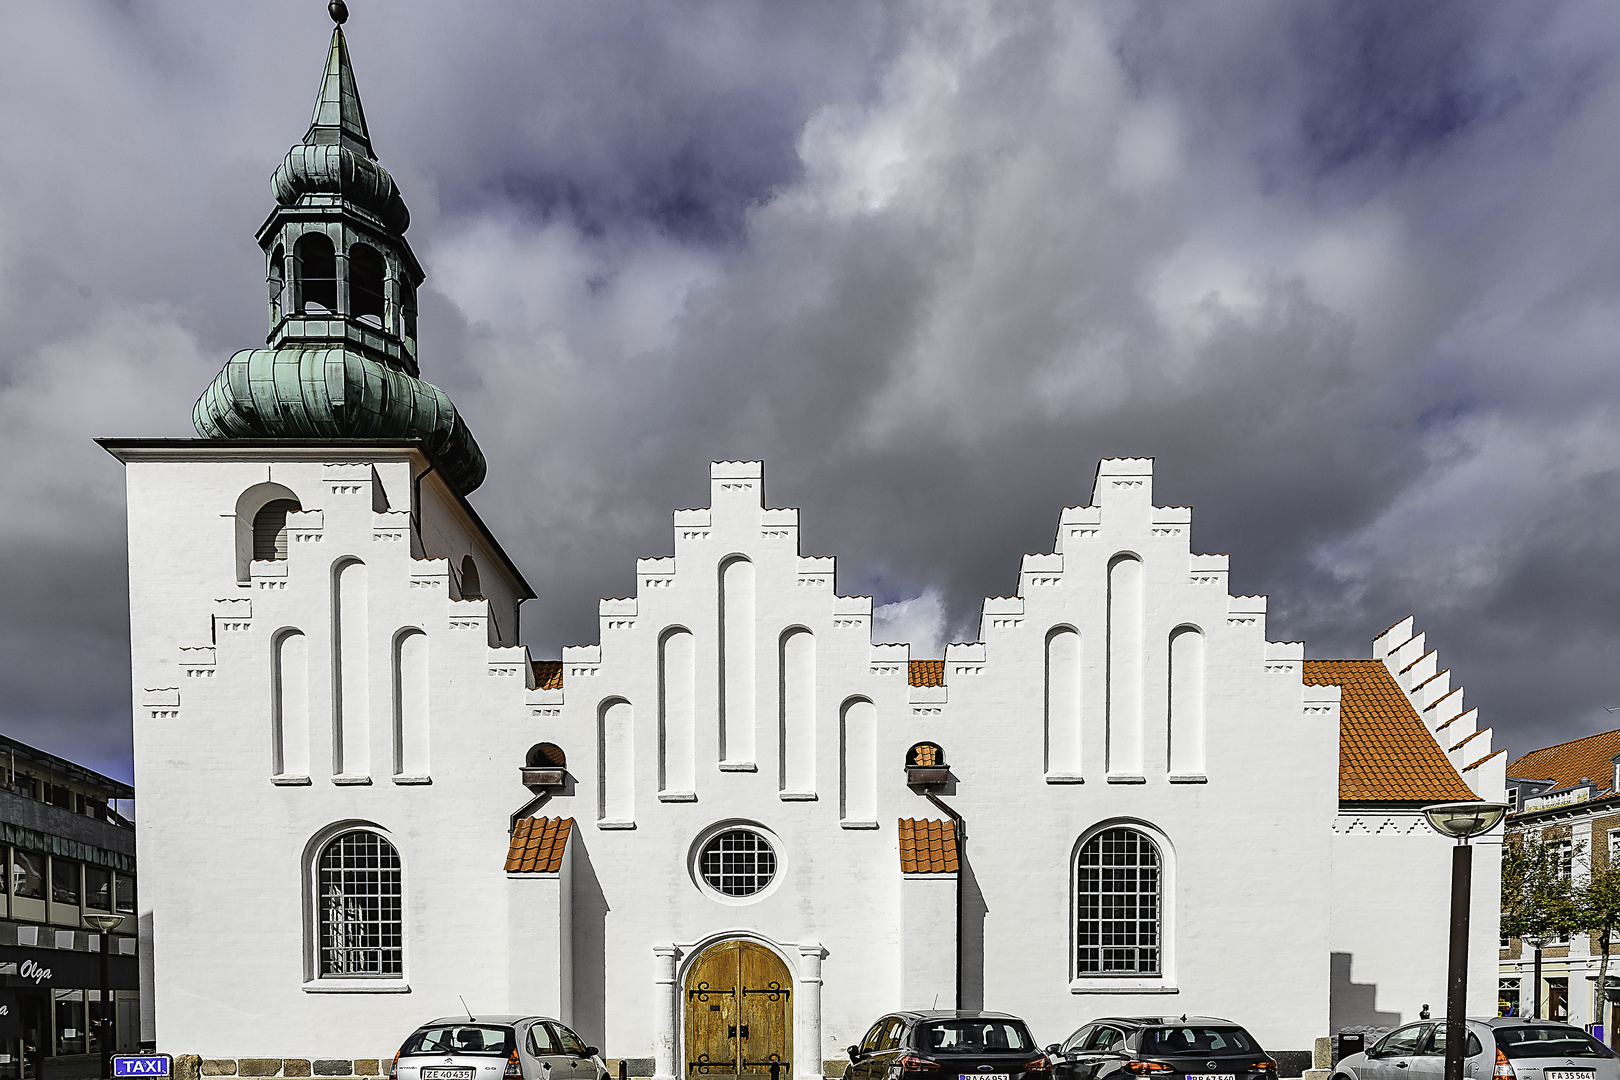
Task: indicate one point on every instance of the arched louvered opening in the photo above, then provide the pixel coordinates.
(471, 589)
(275, 283)
(315, 265)
(366, 273)
(270, 529)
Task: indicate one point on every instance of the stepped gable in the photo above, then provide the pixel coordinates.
(1385, 752)
(1568, 763)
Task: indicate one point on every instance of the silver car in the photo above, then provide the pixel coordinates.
(1502, 1048)
(496, 1048)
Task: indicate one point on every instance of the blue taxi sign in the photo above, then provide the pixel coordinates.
(161, 1065)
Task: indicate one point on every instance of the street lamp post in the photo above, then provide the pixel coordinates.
(1460, 820)
(105, 924)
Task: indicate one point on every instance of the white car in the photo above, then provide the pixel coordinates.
(496, 1048)
(1502, 1048)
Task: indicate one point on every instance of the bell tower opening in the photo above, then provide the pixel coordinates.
(315, 267)
(366, 274)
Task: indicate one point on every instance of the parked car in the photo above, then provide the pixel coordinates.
(948, 1045)
(496, 1048)
(1167, 1047)
(1501, 1048)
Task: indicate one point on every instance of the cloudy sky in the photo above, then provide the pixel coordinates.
(1350, 272)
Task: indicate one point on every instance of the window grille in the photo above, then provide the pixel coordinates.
(1117, 905)
(738, 862)
(362, 932)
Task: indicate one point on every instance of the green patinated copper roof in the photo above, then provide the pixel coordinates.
(335, 394)
(338, 116)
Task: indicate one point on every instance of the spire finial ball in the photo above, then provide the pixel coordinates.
(339, 11)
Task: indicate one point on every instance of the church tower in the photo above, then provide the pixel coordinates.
(342, 281)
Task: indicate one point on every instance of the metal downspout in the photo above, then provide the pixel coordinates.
(961, 875)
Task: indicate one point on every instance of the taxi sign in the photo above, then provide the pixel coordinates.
(142, 1065)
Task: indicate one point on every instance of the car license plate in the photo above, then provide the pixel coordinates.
(983, 1076)
(1209, 1076)
(1568, 1074)
(446, 1074)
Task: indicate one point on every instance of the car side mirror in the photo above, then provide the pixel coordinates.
(1053, 1049)
(854, 1053)
(591, 1051)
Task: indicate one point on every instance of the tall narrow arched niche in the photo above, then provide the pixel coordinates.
(471, 587)
(351, 684)
(737, 664)
(1125, 597)
(796, 713)
(615, 765)
(410, 705)
(1186, 722)
(249, 526)
(1063, 715)
(857, 761)
(677, 715)
(289, 706)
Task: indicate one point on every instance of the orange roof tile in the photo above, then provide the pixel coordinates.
(537, 845)
(927, 847)
(1565, 763)
(548, 674)
(1385, 752)
(926, 673)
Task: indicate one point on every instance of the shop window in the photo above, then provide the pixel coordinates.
(124, 894)
(359, 896)
(1117, 903)
(27, 875)
(64, 882)
(315, 265)
(270, 529)
(366, 271)
(70, 1034)
(98, 888)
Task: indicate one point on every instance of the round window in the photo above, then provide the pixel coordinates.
(737, 862)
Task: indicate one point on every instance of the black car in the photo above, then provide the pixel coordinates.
(1167, 1047)
(948, 1045)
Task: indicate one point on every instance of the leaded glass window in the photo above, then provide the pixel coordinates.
(738, 862)
(1117, 905)
(361, 929)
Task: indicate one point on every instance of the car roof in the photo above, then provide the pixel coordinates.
(1520, 1021)
(955, 1014)
(487, 1018)
(1153, 1021)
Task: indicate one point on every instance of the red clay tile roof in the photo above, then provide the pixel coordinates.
(537, 845)
(926, 673)
(927, 847)
(1385, 752)
(548, 674)
(1591, 757)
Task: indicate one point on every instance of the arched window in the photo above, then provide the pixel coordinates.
(316, 269)
(471, 589)
(270, 529)
(358, 900)
(366, 272)
(1118, 905)
(546, 756)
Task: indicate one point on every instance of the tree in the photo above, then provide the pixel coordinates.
(1598, 901)
(1539, 902)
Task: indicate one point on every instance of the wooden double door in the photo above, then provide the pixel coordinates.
(739, 1013)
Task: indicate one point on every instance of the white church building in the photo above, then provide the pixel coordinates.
(736, 830)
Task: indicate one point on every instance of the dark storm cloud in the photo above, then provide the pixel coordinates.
(1347, 272)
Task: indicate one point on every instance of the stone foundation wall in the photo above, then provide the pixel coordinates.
(192, 1067)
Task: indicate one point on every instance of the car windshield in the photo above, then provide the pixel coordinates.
(973, 1036)
(479, 1040)
(1173, 1041)
(1538, 1041)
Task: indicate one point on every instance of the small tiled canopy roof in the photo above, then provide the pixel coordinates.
(548, 674)
(926, 673)
(927, 847)
(537, 845)
(1566, 763)
(1385, 752)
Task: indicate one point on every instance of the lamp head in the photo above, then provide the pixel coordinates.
(1460, 820)
(104, 923)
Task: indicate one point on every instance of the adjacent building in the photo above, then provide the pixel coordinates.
(735, 830)
(1569, 794)
(71, 853)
